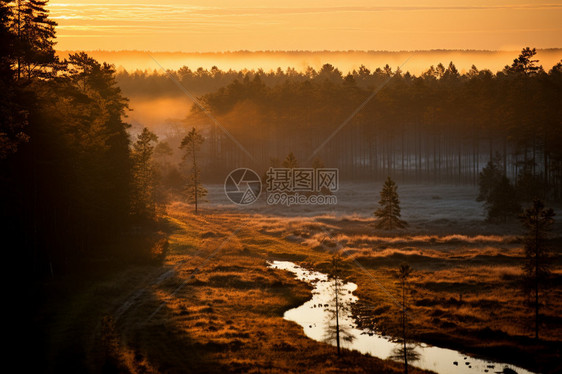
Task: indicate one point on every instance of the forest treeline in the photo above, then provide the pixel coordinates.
(73, 181)
(72, 185)
(441, 126)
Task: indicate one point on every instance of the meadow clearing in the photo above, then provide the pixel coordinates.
(214, 305)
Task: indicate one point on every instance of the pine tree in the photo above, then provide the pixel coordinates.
(67, 188)
(497, 192)
(406, 351)
(389, 212)
(538, 221)
(525, 63)
(89, 112)
(502, 202)
(168, 178)
(6, 40)
(142, 199)
(291, 161)
(35, 40)
(336, 331)
(404, 273)
(489, 178)
(195, 191)
(13, 115)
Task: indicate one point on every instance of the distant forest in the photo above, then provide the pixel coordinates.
(440, 126)
(77, 188)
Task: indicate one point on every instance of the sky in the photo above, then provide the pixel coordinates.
(225, 25)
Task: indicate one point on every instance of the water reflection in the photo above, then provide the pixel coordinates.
(313, 316)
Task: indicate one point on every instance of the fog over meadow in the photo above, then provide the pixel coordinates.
(163, 111)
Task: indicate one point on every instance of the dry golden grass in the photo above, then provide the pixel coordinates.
(229, 308)
(466, 291)
(215, 306)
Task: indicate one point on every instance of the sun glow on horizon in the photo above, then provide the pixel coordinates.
(208, 26)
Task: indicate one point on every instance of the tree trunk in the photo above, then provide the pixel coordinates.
(195, 178)
(537, 280)
(404, 326)
(337, 317)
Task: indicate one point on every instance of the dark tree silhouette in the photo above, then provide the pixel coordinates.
(290, 161)
(68, 188)
(169, 180)
(404, 273)
(191, 144)
(525, 63)
(503, 202)
(144, 178)
(489, 178)
(388, 215)
(497, 193)
(35, 34)
(13, 115)
(453, 123)
(538, 221)
(406, 351)
(335, 330)
(7, 40)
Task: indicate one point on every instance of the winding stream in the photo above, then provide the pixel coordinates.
(313, 317)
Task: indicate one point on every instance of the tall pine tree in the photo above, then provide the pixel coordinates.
(195, 191)
(337, 330)
(35, 39)
(538, 221)
(291, 161)
(406, 352)
(13, 115)
(389, 212)
(143, 183)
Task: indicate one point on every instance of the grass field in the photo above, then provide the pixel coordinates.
(212, 306)
(465, 292)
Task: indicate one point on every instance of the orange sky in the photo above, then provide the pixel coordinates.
(225, 25)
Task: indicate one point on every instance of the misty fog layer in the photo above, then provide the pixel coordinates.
(414, 61)
(440, 125)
